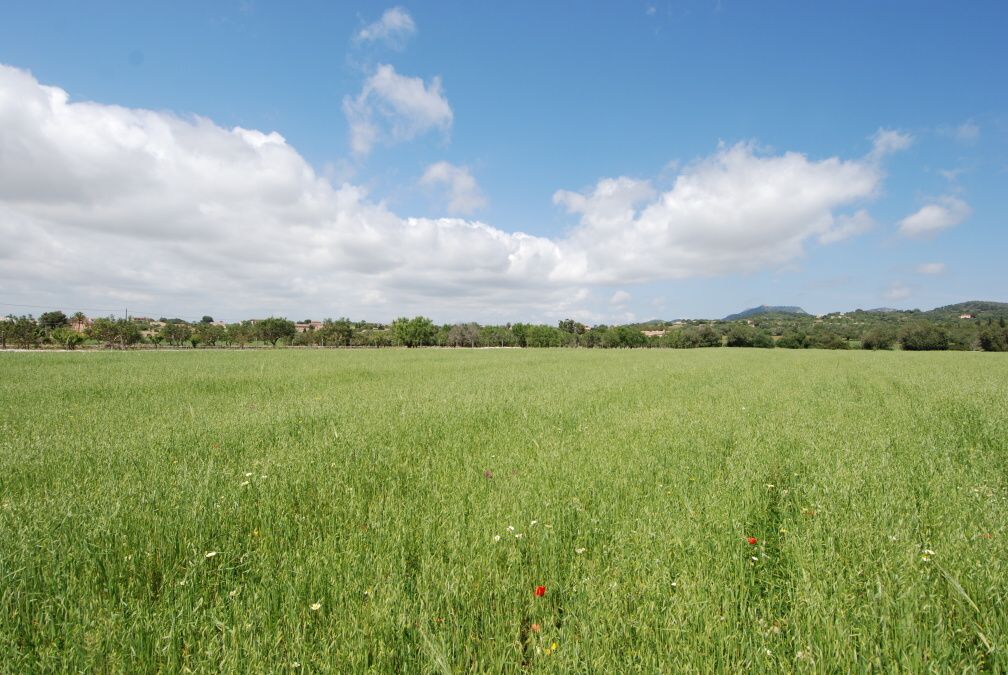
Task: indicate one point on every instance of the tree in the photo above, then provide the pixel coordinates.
(109, 331)
(416, 332)
(175, 334)
(700, 336)
(878, 337)
(208, 333)
(994, 339)
(463, 335)
(22, 331)
(103, 330)
(78, 320)
(240, 333)
(792, 339)
(339, 332)
(740, 335)
(206, 319)
(572, 326)
(274, 329)
(49, 321)
(923, 336)
(127, 333)
(825, 338)
(67, 337)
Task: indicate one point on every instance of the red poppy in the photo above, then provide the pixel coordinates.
(752, 541)
(540, 591)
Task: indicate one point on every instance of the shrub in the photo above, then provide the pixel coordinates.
(921, 336)
(880, 337)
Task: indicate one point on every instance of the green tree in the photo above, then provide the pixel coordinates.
(208, 333)
(66, 337)
(825, 338)
(78, 320)
(175, 334)
(923, 336)
(994, 339)
(240, 333)
(878, 337)
(274, 329)
(49, 321)
(740, 334)
(416, 332)
(792, 339)
(206, 319)
(338, 332)
(23, 331)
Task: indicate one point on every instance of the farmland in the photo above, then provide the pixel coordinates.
(396, 510)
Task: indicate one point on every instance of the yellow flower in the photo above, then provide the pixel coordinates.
(316, 606)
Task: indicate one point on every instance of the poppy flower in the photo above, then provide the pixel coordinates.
(540, 591)
(752, 541)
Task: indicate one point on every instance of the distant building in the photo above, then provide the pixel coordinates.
(653, 333)
(307, 326)
(967, 316)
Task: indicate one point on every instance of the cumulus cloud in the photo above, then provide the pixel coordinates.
(394, 28)
(738, 210)
(463, 194)
(945, 212)
(931, 269)
(392, 108)
(176, 213)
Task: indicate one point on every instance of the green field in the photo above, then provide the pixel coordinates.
(163, 511)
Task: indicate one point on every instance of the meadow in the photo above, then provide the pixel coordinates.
(396, 510)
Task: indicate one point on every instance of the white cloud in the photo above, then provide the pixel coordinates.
(463, 194)
(180, 215)
(620, 298)
(888, 141)
(392, 108)
(946, 212)
(898, 291)
(931, 268)
(394, 28)
(846, 226)
(736, 211)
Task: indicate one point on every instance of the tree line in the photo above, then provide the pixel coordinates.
(789, 332)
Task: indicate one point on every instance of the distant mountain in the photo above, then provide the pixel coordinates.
(764, 309)
(882, 310)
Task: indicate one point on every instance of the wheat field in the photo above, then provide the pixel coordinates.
(503, 511)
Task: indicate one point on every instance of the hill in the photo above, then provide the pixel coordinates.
(765, 309)
(982, 309)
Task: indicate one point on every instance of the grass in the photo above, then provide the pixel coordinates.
(375, 483)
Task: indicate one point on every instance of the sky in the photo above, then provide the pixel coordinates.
(499, 162)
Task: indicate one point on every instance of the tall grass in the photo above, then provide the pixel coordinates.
(340, 511)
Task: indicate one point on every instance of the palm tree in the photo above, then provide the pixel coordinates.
(78, 319)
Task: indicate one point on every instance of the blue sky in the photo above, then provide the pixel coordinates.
(831, 157)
